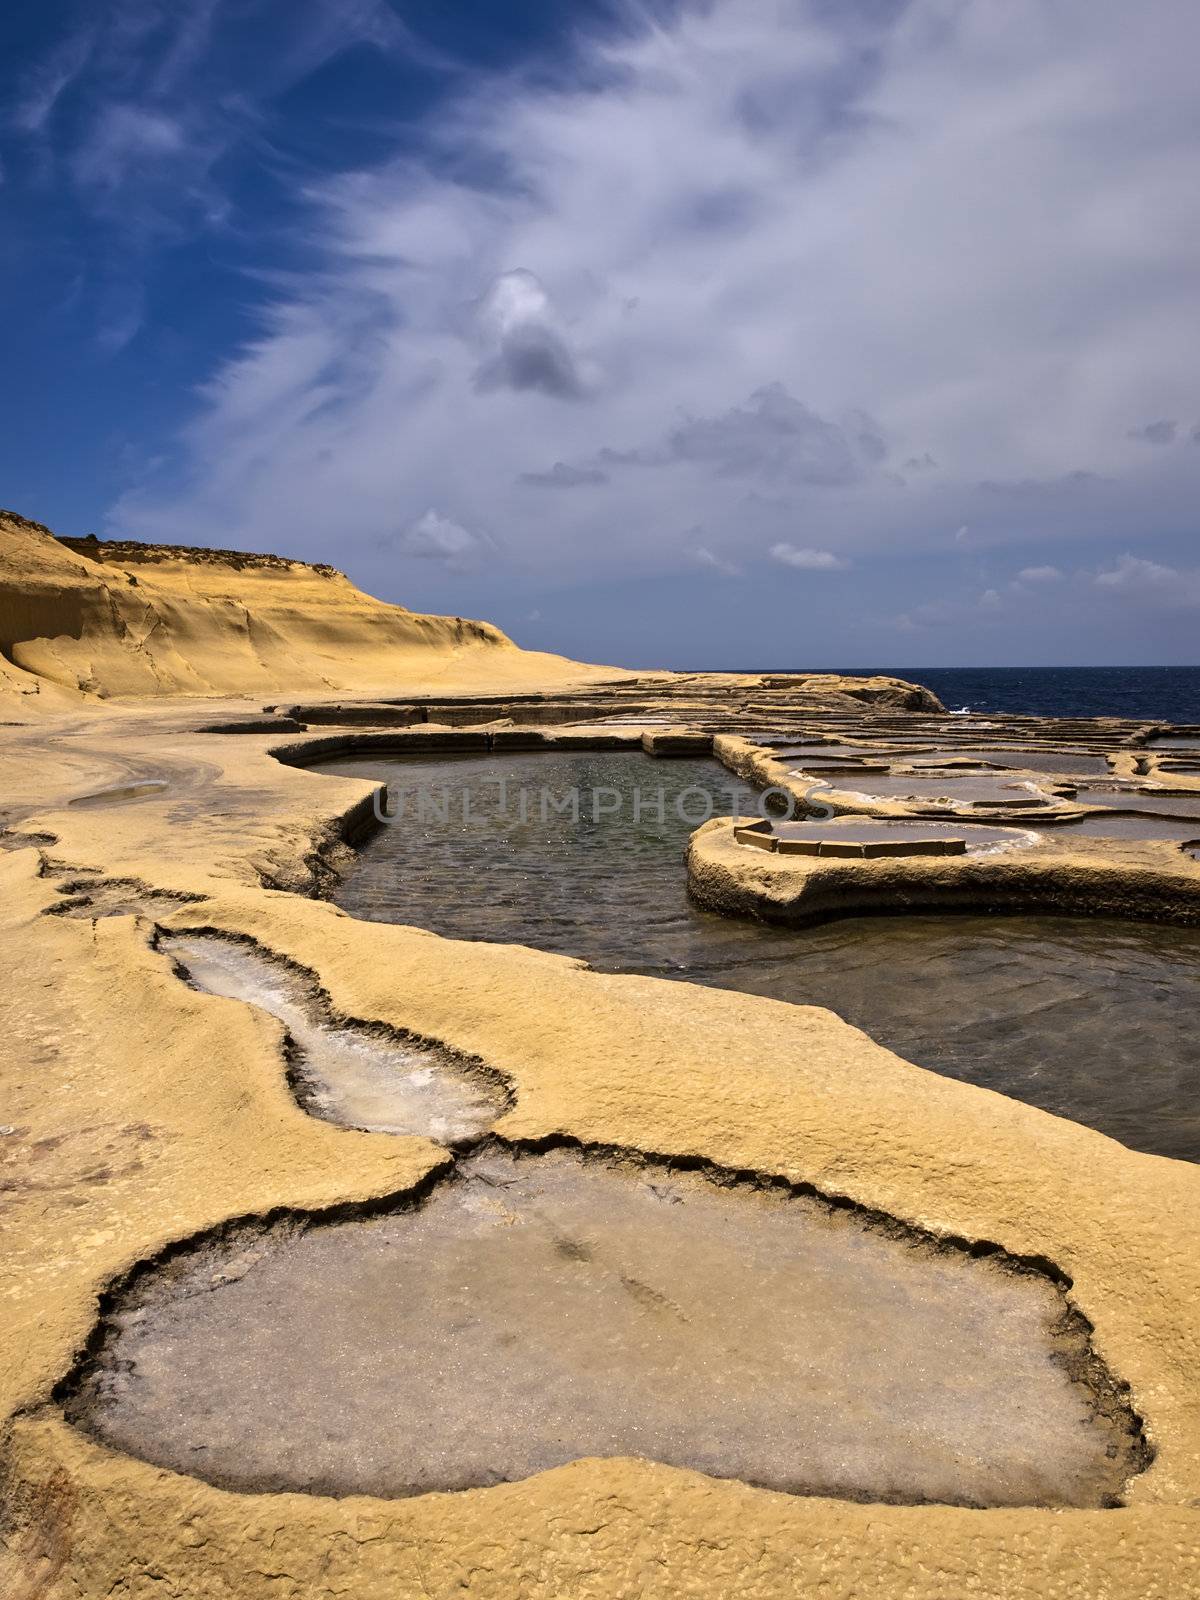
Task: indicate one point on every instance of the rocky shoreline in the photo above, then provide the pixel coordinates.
(145, 1118)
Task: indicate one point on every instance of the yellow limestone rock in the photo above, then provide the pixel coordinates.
(107, 618)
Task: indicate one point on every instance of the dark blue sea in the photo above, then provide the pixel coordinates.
(1159, 694)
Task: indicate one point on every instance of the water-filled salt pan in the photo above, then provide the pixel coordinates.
(539, 1308)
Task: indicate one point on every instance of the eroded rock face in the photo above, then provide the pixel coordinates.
(91, 898)
(118, 617)
(533, 1309)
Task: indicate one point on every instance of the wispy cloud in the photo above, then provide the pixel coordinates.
(1045, 574)
(433, 537)
(790, 555)
(46, 82)
(126, 142)
(1137, 579)
(705, 557)
(733, 276)
(140, 110)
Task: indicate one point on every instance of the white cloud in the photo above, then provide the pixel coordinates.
(1133, 572)
(963, 612)
(701, 274)
(791, 555)
(1139, 582)
(1038, 575)
(709, 558)
(433, 537)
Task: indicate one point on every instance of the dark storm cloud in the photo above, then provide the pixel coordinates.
(530, 352)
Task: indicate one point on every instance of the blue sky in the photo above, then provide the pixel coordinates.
(725, 334)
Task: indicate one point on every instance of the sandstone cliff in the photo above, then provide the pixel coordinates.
(110, 618)
(87, 619)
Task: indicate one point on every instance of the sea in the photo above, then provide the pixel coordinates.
(1158, 694)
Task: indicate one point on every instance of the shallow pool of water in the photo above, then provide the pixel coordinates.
(535, 1309)
(488, 847)
(1085, 1017)
(1151, 802)
(1143, 825)
(1049, 761)
(958, 788)
(838, 752)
